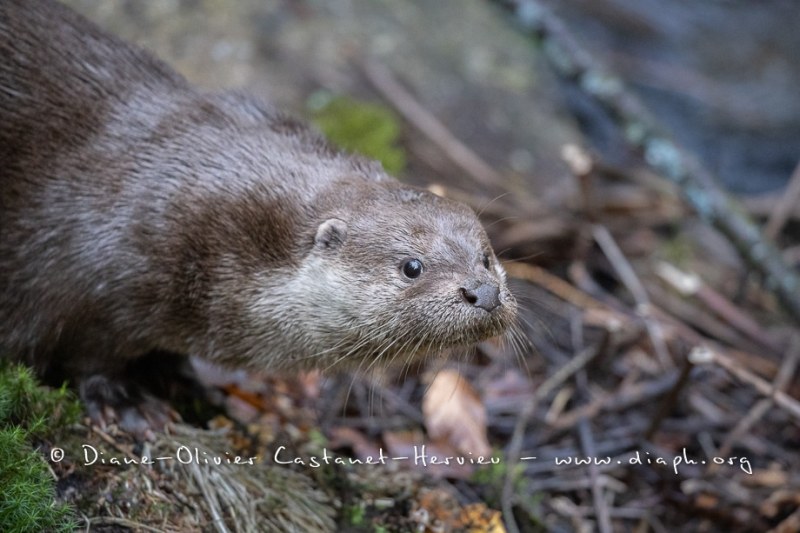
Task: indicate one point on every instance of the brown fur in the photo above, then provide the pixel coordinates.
(138, 214)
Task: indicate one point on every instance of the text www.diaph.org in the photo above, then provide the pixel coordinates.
(420, 457)
(638, 458)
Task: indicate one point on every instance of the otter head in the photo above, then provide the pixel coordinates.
(397, 273)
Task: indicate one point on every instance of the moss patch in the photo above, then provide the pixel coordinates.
(361, 127)
(29, 412)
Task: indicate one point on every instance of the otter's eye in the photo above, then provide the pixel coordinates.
(485, 260)
(412, 268)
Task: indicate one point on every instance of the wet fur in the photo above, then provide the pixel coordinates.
(138, 214)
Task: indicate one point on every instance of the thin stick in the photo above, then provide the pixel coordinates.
(515, 444)
(780, 398)
(690, 284)
(553, 284)
(786, 204)
(670, 399)
(643, 306)
(457, 152)
(782, 379)
(587, 443)
(789, 524)
(585, 430)
(624, 399)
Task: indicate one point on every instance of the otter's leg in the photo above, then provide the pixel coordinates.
(137, 398)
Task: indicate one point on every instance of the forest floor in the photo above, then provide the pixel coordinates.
(652, 386)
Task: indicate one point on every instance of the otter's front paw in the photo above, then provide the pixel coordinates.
(115, 401)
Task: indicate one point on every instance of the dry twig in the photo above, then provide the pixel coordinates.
(515, 444)
(786, 204)
(635, 287)
(691, 285)
(761, 408)
(457, 152)
(781, 399)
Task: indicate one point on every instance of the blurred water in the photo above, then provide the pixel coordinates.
(723, 75)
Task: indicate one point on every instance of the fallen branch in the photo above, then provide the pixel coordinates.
(698, 187)
(412, 111)
(762, 407)
(690, 284)
(705, 355)
(643, 307)
(786, 203)
(515, 444)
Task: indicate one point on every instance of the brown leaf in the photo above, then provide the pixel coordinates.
(453, 412)
(438, 510)
(435, 510)
(477, 518)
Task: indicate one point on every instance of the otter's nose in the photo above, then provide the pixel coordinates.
(483, 295)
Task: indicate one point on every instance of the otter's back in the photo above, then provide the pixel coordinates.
(59, 74)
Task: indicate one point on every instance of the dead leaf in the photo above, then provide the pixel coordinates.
(435, 510)
(438, 510)
(454, 413)
(771, 477)
(477, 518)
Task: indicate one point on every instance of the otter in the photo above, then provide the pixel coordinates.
(139, 215)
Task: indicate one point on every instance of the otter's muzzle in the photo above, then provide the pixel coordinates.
(483, 295)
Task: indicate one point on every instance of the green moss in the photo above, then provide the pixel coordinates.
(356, 514)
(36, 409)
(361, 127)
(27, 412)
(492, 477)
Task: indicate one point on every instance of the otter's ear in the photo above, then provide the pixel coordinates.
(331, 234)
